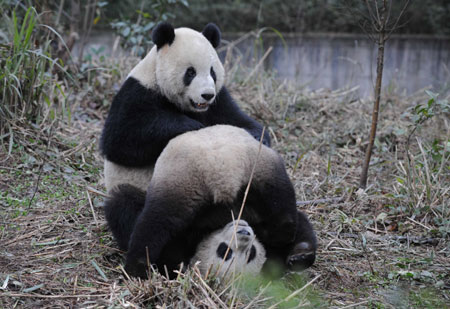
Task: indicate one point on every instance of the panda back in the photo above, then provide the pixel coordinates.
(217, 159)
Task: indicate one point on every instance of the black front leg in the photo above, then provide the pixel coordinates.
(165, 215)
(272, 200)
(298, 255)
(303, 253)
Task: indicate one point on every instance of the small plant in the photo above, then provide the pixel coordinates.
(427, 171)
(28, 89)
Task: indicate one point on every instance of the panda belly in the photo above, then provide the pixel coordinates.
(116, 174)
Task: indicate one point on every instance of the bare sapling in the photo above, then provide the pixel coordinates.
(380, 29)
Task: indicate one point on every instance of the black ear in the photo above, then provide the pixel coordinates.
(163, 34)
(212, 33)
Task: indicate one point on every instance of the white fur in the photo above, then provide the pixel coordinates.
(117, 174)
(240, 246)
(164, 69)
(213, 162)
(145, 70)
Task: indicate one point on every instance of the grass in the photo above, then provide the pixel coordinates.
(385, 247)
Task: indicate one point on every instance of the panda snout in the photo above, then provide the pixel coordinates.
(208, 96)
(244, 232)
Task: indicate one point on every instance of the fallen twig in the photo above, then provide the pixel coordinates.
(92, 208)
(322, 201)
(93, 190)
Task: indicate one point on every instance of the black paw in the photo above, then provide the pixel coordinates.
(265, 140)
(301, 256)
(136, 269)
(257, 135)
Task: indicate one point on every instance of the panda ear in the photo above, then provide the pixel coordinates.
(212, 33)
(163, 34)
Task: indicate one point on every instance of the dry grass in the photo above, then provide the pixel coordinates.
(386, 247)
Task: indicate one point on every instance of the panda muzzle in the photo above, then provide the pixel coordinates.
(200, 106)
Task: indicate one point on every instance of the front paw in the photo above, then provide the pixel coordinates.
(137, 269)
(265, 141)
(301, 256)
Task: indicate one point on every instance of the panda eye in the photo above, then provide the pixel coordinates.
(191, 72)
(189, 76)
(213, 74)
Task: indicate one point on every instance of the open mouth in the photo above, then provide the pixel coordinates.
(200, 106)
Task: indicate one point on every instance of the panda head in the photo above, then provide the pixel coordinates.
(187, 68)
(224, 255)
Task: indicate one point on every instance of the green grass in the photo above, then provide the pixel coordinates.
(29, 90)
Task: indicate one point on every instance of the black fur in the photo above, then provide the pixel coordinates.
(212, 33)
(222, 250)
(294, 256)
(213, 75)
(121, 210)
(163, 34)
(189, 76)
(252, 254)
(141, 122)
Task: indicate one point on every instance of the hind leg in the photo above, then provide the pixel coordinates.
(121, 210)
(167, 212)
(303, 253)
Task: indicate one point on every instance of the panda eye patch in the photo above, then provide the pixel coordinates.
(213, 74)
(222, 250)
(189, 76)
(252, 255)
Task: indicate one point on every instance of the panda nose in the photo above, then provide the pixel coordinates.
(207, 96)
(244, 232)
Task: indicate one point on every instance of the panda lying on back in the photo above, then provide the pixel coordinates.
(197, 187)
(178, 87)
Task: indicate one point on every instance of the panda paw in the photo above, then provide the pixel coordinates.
(136, 270)
(301, 257)
(265, 140)
(256, 133)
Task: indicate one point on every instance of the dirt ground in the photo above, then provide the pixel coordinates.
(385, 247)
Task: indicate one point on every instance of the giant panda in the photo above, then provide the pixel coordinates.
(231, 250)
(178, 87)
(197, 187)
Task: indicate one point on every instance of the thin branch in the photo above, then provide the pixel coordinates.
(394, 27)
(389, 12)
(375, 2)
(321, 201)
(362, 25)
(92, 207)
(372, 16)
(389, 31)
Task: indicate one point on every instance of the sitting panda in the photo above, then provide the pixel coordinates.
(178, 87)
(197, 187)
(223, 254)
